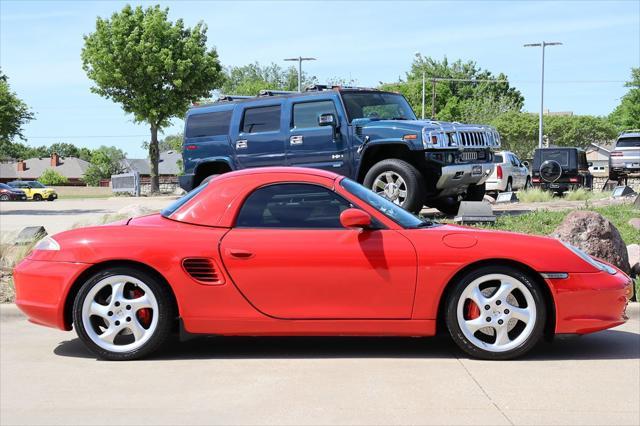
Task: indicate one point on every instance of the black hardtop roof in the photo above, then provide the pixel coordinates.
(559, 148)
(275, 94)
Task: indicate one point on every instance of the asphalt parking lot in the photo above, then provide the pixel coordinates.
(48, 377)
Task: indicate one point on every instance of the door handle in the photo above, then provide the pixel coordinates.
(240, 254)
(242, 144)
(296, 140)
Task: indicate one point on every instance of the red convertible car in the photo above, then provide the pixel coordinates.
(290, 251)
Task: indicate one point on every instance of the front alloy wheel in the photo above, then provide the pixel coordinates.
(122, 314)
(399, 182)
(496, 313)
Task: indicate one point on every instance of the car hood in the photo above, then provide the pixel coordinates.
(468, 245)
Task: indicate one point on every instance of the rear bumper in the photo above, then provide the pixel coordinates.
(590, 302)
(42, 288)
(496, 184)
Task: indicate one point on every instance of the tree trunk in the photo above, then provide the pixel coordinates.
(154, 159)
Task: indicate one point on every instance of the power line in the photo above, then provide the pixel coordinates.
(87, 137)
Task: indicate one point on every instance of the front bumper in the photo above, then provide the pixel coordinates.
(455, 179)
(589, 302)
(42, 288)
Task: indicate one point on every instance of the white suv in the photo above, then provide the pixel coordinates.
(509, 174)
(624, 160)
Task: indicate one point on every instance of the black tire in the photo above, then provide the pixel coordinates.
(446, 206)
(534, 335)
(166, 314)
(411, 176)
(476, 192)
(37, 197)
(509, 186)
(4, 197)
(50, 198)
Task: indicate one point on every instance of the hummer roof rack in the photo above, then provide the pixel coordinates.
(222, 98)
(321, 87)
(267, 92)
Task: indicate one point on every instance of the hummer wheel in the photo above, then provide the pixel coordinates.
(397, 181)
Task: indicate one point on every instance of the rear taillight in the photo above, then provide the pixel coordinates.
(574, 180)
(191, 147)
(617, 154)
(499, 171)
(535, 179)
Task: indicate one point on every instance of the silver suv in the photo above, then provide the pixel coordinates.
(624, 160)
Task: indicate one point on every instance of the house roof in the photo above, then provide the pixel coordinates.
(607, 147)
(70, 167)
(168, 165)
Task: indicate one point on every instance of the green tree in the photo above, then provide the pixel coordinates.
(627, 114)
(518, 132)
(105, 161)
(16, 150)
(154, 67)
(250, 79)
(168, 143)
(457, 100)
(14, 113)
(51, 177)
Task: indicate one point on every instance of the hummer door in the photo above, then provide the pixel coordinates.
(312, 145)
(260, 142)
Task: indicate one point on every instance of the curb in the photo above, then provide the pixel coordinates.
(9, 311)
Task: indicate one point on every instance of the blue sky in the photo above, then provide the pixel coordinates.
(40, 43)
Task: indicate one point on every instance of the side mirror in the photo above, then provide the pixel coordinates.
(526, 164)
(355, 219)
(328, 119)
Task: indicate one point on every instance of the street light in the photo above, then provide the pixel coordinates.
(299, 59)
(419, 56)
(543, 45)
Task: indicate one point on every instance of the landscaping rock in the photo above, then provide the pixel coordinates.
(488, 198)
(633, 250)
(594, 234)
(635, 222)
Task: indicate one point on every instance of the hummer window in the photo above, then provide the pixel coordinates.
(380, 106)
(305, 115)
(261, 119)
(208, 124)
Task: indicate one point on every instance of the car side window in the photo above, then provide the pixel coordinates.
(305, 114)
(516, 161)
(208, 124)
(261, 119)
(292, 205)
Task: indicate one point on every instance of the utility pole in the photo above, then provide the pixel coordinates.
(299, 59)
(541, 125)
(423, 94)
(433, 99)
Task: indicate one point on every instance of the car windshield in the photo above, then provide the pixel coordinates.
(377, 105)
(384, 206)
(633, 142)
(36, 185)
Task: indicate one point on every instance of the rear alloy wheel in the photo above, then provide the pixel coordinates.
(4, 197)
(37, 197)
(496, 312)
(51, 198)
(123, 314)
(397, 181)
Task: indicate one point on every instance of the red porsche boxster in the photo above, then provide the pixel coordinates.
(291, 251)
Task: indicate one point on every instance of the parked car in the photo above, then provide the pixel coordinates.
(509, 173)
(561, 169)
(369, 135)
(8, 193)
(35, 190)
(624, 160)
(297, 251)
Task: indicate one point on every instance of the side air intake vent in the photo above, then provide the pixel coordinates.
(203, 270)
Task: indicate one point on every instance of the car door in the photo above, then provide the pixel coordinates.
(260, 141)
(312, 145)
(518, 172)
(291, 258)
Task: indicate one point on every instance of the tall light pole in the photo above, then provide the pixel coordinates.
(424, 82)
(300, 59)
(542, 45)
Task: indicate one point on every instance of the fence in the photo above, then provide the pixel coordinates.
(126, 183)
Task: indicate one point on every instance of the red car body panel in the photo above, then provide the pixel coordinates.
(308, 282)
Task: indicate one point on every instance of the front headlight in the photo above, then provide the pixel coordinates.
(47, 243)
(590, 260)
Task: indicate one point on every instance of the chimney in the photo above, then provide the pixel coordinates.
(22, 166)
(55, 159)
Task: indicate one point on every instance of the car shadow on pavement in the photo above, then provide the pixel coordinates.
(610, 344)
(53, 212)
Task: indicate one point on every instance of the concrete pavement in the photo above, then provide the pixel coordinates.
(48, 377)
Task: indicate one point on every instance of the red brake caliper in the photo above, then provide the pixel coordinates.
(472, 311)
(144, 315)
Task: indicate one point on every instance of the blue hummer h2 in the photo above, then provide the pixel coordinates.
(368, 135)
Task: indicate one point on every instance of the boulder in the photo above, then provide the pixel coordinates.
(594, 234)
(633, 250)
(635, 222)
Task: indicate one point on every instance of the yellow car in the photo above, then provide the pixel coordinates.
(35, 190)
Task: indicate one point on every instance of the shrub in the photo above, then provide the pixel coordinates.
(51, 177)
(535, 195)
